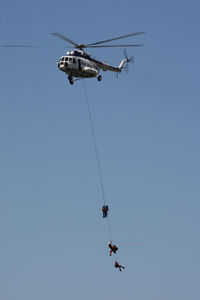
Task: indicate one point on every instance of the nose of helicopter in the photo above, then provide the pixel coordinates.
(62, 64)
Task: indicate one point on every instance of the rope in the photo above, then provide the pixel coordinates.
(109, 228)
(97, 156)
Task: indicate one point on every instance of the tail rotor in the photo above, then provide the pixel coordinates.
(128, 60)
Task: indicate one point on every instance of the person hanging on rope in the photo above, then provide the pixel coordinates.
(105, 211)
(113, 248)
(117, 265)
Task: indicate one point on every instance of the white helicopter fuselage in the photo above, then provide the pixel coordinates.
(78, 63)
(76, 66)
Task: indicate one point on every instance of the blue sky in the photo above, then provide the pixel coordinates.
(53, 239)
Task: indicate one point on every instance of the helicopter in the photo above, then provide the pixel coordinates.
(79, 64)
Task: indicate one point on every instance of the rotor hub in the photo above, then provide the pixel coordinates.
(80, 46)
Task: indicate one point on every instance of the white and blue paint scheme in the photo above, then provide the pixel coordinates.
(78, 63)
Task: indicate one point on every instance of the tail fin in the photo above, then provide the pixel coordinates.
(122, 64)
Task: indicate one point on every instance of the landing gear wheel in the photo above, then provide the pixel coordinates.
(70, 79)
(99, 78)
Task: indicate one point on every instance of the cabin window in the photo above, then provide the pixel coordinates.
(74, 61)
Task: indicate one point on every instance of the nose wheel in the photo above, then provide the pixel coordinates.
(99, 78)
(71, 81)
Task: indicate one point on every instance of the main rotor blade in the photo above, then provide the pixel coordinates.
(63, 37)
(107, 46)
(117, 38)
(31, 46)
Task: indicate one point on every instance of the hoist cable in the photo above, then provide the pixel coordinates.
(109, 227)
(97, 155)
(95, 145)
